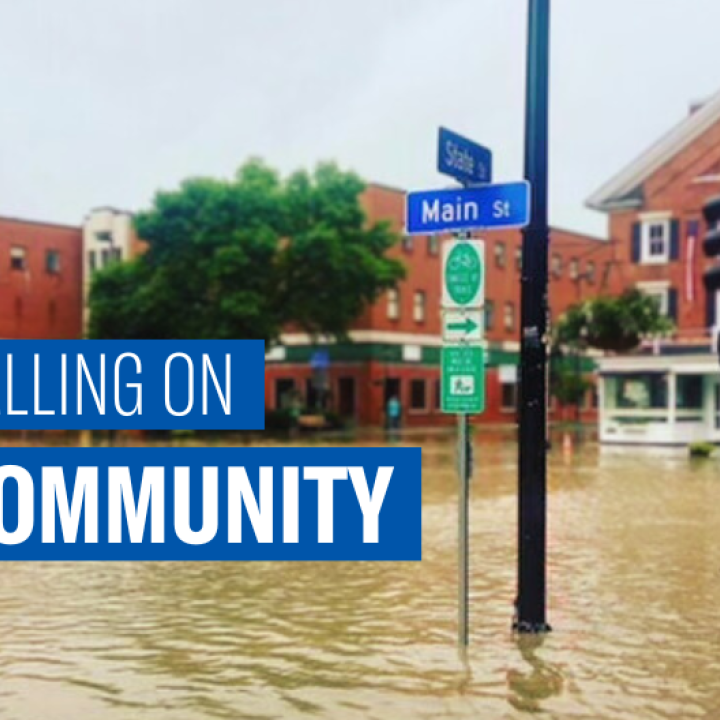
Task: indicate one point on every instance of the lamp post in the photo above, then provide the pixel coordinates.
(532, 435)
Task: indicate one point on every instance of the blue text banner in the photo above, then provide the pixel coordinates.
(210, 504)
(135, 384)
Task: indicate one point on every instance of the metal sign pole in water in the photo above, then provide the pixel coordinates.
(463, 453)
(463, 531)
(532, 446)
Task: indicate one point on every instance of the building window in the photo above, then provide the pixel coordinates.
(417, 395)
(590, 272)
(103, 236)
(500, 254)
(659, 293)
(508, 396)
(574, 269)
(105, 255)
(116, 254)
(312, 394)
(656, 241)
(419, 306)
(636, 391)
(393, 304)
(489, 314)
(594, 398)
(518, 259)
(284, 393)
(52, 262)
(433, 244)
(92, 261)
(556, 265)
(689, 392)
(509, 319)
(407, 243)
(18, 259)
(438, 395)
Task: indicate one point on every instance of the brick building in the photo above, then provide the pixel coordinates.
(45, 271)
(395, 347)
(669, 392)
(654, 209)
(40, 280)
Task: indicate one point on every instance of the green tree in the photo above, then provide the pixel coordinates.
(614, 323)
(610, 323)
(244, 258)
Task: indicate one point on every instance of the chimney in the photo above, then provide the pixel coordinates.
(696, 105)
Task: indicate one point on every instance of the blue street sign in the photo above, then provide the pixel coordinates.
(504, 205)
(320, 360)
(463, 159)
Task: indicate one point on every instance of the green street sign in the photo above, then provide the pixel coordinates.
(463, 379)
(462, 326)
(463, 273)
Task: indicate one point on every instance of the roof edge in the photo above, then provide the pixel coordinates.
(656, 155)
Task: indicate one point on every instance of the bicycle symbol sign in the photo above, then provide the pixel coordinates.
(463, 274)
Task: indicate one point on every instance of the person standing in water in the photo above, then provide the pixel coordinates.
(394, 412)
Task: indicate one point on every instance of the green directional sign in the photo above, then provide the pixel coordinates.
(463, 379)
(463, 273)
(462, 326)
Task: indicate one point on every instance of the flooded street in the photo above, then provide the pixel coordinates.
(634, 590)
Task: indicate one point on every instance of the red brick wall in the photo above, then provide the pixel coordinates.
(502, 284)
(673, 188)
(36, 304)
(369, 386)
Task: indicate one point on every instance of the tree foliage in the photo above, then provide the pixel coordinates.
(617, 323)
(246, 257)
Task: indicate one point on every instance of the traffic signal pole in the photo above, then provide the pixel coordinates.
(532, 446)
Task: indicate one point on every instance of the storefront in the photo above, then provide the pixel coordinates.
(660, 399)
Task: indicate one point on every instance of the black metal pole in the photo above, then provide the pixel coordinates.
(532, 446)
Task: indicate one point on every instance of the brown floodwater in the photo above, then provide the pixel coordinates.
(634, 581)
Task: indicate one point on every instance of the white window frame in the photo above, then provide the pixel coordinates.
(647, 222)
(18, 252)
(419, 303)
(659, 289)
(393, 304)
(500, 252)
(590, 272)
(574, 268)
(556, 265)
(509, 316)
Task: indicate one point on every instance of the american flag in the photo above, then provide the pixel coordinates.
(693, 228)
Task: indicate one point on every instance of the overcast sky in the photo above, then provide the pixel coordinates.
(105, 101)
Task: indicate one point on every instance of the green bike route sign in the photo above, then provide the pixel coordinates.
(463, 274)
(463, 379)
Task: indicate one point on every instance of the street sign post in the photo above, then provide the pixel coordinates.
(462, 326)
(465, 160)
(463, 379)
(499, 206)
(462, 385)
(475, 206)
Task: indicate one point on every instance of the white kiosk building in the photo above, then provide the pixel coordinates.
(671, 397)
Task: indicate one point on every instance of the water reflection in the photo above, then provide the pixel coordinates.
(540, 681)
(634, 578)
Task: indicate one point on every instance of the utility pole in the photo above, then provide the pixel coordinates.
(532, 446)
